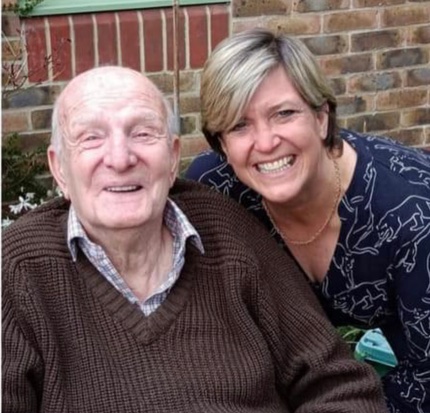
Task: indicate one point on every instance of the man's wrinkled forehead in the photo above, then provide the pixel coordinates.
(109, 85)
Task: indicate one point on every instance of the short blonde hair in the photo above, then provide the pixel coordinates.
(238, 66)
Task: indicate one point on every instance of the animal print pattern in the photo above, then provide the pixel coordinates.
(379, 275)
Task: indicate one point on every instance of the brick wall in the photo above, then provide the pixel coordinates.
(376, 53)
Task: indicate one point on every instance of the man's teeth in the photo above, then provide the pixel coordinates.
(122, 188)
(276, 166)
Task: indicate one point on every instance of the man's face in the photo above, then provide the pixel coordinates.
(117, 164)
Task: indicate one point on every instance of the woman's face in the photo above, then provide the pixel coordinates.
(276, 148)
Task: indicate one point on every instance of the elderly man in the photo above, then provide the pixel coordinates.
(134, 294)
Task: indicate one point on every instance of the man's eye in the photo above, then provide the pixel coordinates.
(91, 141)
(146, 136)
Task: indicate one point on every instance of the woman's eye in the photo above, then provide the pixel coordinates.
(285, 113)
(238, 127)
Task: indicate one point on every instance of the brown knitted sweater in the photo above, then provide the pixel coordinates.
(240, 331)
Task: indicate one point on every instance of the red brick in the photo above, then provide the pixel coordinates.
(107, 39)
(306, 6)
(84, 42)
(180, 39)
(220, 24)
(193, 145)
(190, 103)
(11, 50)
(350, 20)
(324, 45)
(12, 75)
(153, 40)
(239, 25)
(10, 24)
(372, 82)
(376, 3)
(402, 57)
(334, 66)
(375, 39)
(295, 24)
(400, 99)
(250, 8)
(14, 121)
(61, 47)
(405, 15)
(412, 136)
(130, 39)
(36, 49)
(415, 117)
(198, 36)
(350, 105)
(420, 35)
(375, 122)
(418, 77)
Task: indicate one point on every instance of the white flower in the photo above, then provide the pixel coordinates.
(23, 204)
(6, 222)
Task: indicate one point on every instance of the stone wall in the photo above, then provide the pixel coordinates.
(376, 53)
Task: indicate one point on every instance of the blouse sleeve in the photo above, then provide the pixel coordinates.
(407, 386)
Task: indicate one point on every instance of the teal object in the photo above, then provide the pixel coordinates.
(374, 349)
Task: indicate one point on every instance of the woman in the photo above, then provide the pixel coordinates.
(353, 210)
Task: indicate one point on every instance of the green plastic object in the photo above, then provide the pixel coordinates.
(374, 349)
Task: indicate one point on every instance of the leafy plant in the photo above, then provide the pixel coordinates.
(22, 7)
(22, 185)
(21, 169)
(351, 335)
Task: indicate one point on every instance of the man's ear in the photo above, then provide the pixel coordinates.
(57, 171)
(175, 158)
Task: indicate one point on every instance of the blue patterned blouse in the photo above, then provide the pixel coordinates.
(380, 272)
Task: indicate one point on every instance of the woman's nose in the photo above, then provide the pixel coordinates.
(266, 138)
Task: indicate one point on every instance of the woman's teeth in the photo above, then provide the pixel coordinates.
(276, 166)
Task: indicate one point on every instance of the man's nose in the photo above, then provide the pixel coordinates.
(118, 154)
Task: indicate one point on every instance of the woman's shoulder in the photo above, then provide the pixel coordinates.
(386, 148)
(389, 163)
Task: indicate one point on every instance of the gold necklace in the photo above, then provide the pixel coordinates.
(326, 222)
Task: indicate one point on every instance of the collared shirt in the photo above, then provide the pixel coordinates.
(180, 228)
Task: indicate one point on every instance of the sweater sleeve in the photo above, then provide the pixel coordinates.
(22, 367)
(315, 369)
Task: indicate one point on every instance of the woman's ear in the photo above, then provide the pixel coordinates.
(57, 170)
(322, 118)
(223, 147)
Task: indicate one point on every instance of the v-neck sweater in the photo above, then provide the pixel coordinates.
(240, 331)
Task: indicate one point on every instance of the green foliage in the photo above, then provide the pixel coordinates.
(20, 170)
(23, 7)
(351, 335)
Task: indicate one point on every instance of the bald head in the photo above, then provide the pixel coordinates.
(99, 86)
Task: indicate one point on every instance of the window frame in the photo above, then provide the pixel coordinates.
(53, 7)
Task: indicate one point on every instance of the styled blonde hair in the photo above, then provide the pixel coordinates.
(237, 67)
